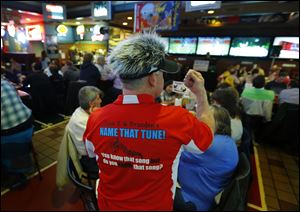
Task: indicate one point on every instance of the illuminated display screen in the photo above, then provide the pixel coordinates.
(289, 47)
(250, 46)
(53, 12)
(33, 32)
(218, 46)
(183, 45)
(101, 10)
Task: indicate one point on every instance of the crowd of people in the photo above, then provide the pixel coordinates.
(130, 132)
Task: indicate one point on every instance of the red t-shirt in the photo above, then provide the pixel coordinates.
(138, 143)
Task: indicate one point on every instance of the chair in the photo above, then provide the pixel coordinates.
(284, 126)
(72, 101)
(234, 196)
(16, 152)
(87, 193)
(246, 143)
(43, 100)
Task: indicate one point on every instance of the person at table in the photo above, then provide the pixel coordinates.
(89, 72)
(15, 116)
(229, 99)
(279, 83)
(202, 176)
(45, 60)
(168, 96)
(71, 73)
(89, 100)
(138, 142)
(12, 74)
(291, 94)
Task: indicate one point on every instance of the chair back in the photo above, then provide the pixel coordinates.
(16, 152)
(284, 125)
(87, 193)
(234, 195)
(72, 101)
(245, 143)
(43, 100)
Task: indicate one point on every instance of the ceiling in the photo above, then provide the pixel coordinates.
(188, 20)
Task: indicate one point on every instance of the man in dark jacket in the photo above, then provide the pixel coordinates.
(89, 72)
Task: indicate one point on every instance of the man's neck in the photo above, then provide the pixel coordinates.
(137, 92)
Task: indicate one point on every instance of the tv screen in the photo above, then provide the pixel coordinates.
(218, 46)
(182, 45)
(201, 5)
(250, 46)
(101, 10)
(166, 42)
(289, 47)
(54, 12)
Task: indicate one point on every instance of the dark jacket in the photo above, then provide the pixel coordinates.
(90, 74)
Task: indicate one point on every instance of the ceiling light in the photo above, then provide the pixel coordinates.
(125, 23)
(9, 9)
(28, 19)
(129, 18)
(20, 11)
(210, 12)
(77, 22)
(79, 18)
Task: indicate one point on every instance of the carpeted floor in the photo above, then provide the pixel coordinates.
(42, 195)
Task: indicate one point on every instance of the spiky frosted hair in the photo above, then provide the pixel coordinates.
(133, 55)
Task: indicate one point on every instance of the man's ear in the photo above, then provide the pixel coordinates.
(152, 79)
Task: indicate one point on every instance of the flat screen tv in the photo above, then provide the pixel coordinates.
(54, 12)
(250, 46)
(218, 46)
(101, 10)
(289, 47)
(181, 45)
(166, 42)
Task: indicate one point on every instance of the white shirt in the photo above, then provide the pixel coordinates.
(236, 129)
(76, 127)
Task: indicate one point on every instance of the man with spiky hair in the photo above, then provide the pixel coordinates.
(138, 142)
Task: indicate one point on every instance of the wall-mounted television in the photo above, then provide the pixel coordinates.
(289, 47)
(218, 46)
(250, 46)
(54, 12)
(181, 45)
(201, 5)
(166, 42)
(101, 10)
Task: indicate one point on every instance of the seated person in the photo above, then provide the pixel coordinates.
(202, 176)
(15, 116)
(290, 95)
(228, 98)
(168, 96)
(89, 100)
(258, 101)
(47, 70)
(71, 73)
(13, 75)
(89, 72)
(279, 83)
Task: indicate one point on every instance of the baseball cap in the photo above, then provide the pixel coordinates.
(139, 56)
